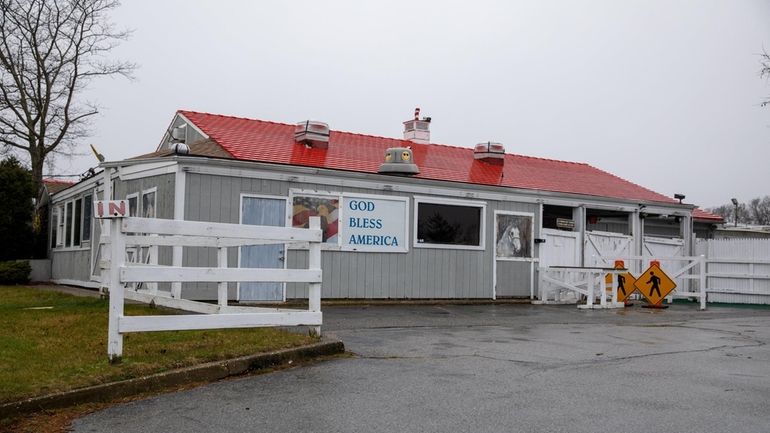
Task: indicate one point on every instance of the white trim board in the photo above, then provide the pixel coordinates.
(362, 180)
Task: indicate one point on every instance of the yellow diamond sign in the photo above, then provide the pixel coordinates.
(625, 285)
(654, 284)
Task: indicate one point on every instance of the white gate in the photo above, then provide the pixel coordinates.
(561, 248)
(143, 232)
(665, 247)
(602, 248)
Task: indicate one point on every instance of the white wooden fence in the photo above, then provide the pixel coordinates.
(738, 270)
(564, 284)
(147, 232)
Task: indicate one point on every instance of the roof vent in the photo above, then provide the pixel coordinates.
(179, 134)
(493, 153)
(399, 160)
(312, 133)
(416, 130)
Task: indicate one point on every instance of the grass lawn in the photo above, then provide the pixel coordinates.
(43, 350)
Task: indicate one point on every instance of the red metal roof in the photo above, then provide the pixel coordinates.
(56, 185)
(257, 140)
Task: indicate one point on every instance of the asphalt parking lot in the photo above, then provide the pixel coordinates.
(495, 368)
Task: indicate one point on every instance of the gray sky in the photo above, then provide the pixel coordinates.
(663, 93)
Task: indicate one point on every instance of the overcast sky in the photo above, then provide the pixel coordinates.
(663, 93)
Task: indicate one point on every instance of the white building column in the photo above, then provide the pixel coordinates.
(180, 182)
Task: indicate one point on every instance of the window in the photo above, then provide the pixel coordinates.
(514, 233)
(88, 203)
(449, 224)
(133, 204)
(148, 203)
(54, 227)
(76, 222)
(60, 225)
(304, 206)
(68, 225)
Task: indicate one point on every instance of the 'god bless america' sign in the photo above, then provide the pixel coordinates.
(374, 223)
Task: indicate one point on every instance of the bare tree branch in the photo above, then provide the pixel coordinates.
(765, 71)
(49, 52)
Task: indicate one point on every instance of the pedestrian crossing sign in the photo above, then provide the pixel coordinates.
(654, 284)
(625, 285)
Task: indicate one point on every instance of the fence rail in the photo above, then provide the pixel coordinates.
(125, 278)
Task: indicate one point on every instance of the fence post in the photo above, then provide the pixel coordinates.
(590, 288)
(702, 279)
(117, 258)
(314, 262)
(222, 289)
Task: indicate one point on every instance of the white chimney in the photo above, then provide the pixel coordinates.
(417, 130)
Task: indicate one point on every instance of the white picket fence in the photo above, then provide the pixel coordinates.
(138, 233)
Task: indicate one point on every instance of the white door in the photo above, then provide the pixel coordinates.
(601, 249)
(264, 212)
(561, 248)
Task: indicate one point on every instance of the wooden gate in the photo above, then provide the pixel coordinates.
(602, 248)
(665, 247)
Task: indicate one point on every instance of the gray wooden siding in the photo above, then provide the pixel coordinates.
(71, 265)
(420, 273)
(164, 197)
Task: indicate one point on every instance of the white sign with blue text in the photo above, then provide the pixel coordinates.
(372, 223)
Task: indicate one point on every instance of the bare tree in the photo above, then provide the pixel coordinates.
(50, 50)
(727, 211)
(765, 71)
(760, 210)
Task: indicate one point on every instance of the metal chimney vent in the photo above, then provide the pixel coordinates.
(490, 152)
(399, 160)
(312, 133)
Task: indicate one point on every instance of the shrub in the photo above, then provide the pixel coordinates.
(15, 272)
(16, 192)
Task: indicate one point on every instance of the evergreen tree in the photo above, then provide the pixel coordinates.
(16, 193)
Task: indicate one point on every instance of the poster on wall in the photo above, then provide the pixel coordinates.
(513, 237)
(374, 223)
(304, 207)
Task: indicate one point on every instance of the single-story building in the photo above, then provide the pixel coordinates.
(402, 218)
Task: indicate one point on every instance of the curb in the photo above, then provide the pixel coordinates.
(401, 302)
(208, 372)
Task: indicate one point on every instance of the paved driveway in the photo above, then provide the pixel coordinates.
(495, 368)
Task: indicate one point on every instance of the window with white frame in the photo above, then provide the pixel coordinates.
(68, 224)
(449, 223)
(88, 202)
(148, 203)
(77, 217)
(55, 226)
(133, 204)
(71, 222)
(60, 226)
